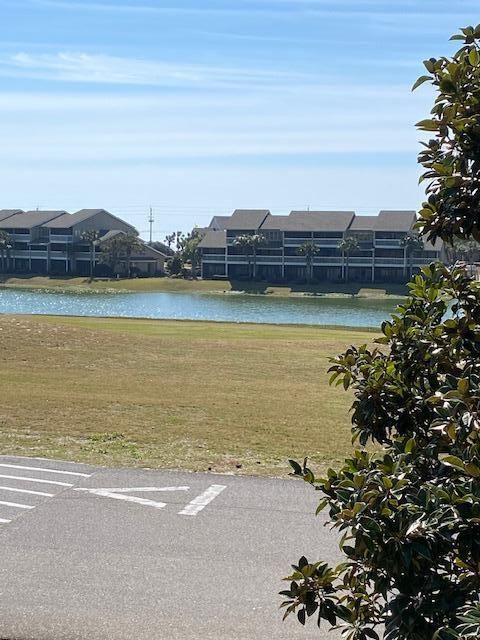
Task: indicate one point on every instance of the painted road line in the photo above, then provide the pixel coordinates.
(33, 493)
(68, 473)
(201, 501)
(40, 480)
(120, 494)
(16, 505)
(3, 521)
(139, 489)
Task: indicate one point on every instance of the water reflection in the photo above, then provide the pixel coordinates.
(188, 306)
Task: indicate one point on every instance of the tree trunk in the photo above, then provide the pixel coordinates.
(3, 260)
(405, 255)
(254, 264)
(91, 261)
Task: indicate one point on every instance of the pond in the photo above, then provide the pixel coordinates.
(355, 312)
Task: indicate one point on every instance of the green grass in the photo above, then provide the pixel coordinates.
(82, 284)
(190, 395)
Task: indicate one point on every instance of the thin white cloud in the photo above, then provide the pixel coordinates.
(103, 69)
(149, 8)
(124, 128)
(345, 8)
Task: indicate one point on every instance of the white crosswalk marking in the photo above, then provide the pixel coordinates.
(201, 501)
(45, 470)
(33, 484)
(40, 480)
(33, 493)
(16, 505)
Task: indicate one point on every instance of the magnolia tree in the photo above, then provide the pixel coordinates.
(408, 507)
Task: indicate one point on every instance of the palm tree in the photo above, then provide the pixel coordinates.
(309, 249)
(250, 243)
(129, 243)
(190, 252)
(257, 240)
(5, 246)
(347, 246)
(410, 243)
(170, 239)
(91, 236)
(244, 243)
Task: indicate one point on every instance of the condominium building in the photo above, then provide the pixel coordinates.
(381, 253)
(51, 242)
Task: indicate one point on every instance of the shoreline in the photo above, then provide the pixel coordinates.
(226, 323)
(82, 285)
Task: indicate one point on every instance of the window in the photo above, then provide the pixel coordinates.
(362, 236)
(213, 251)
(390, 235)
(389, 253)
(298, 234)
(273, 236)
(328, 234)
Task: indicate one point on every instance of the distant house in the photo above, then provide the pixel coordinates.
(50, 242)
(380, 255)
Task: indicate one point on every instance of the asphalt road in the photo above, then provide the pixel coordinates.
(130, 561)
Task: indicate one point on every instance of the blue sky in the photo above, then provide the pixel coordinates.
(198, 106)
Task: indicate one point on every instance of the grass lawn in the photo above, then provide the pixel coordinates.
(190, 395)
(206, 286)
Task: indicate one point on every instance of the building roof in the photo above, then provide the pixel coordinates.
(6, 213)
(151, 249)
(320, 220)
(246, 219)
(276, 223)
(30, 219)
(363, 223)
(69, 219)
(213, 240)
(110, 234)
(395, 220)
(218, 222)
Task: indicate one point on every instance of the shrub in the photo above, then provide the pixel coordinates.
(409, 510)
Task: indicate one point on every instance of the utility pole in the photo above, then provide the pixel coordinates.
(151, 221)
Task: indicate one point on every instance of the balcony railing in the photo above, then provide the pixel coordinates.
(213, 257)
(388, 243)
(389, 262)
(417, 262)
(354, 261)
(269, 259)
(320, 242)
(55, 238)
(260, 259)
(327, 260)
(360, 261)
